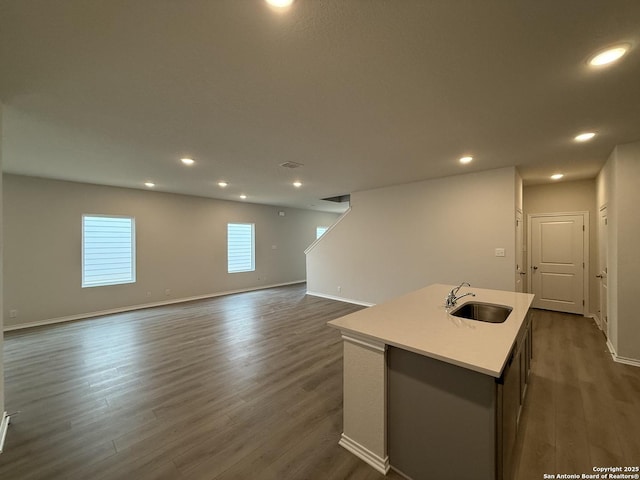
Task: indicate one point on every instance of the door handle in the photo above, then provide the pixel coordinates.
(534, 267)
(523, 273)
(600, 275)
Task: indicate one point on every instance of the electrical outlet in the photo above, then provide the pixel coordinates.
(500, 252)
(167, 291)
(13, 313)
(339, 289)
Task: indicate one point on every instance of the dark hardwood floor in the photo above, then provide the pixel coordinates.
(237, 387)
(583, 409)
(249, 386)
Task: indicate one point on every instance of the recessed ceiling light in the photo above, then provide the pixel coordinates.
(149, 184)
(222, 184)
(583, 137)
(187, 161)
(243, 196)
(610, 55)
(297, 184)
(465, 160)
(280, 3)
(557, 176)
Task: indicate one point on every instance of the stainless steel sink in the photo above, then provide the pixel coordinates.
(483, 312)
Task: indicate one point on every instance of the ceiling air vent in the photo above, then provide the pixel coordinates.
(291, 164)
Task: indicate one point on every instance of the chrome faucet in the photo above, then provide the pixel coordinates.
(451, 299)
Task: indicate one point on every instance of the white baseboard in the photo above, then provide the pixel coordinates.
(618, 359)
(612, 350)
(627, 361)
(4, 426)
(340, 299)
(376, 461)
(82, 316)
(595, 319)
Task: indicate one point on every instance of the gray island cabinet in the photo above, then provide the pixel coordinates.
(432, 395)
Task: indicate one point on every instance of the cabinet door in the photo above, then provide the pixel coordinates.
(510, 408)
(529, 346)
(441, 419)
(528, 353)
(523, 367)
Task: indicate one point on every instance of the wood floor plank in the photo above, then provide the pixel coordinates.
(536, 442)
(604, 441)
(578, 401)
(249, 386)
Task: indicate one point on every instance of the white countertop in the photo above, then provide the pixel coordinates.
(419, 322)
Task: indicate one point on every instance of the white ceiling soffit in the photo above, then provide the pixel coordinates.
(364, 94)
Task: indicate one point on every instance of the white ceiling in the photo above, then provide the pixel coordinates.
(364, 93)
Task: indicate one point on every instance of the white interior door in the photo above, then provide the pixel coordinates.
(603, 269)
(520, 270)
(557, 262)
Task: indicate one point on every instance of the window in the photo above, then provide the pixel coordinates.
(320, 231)
(240, 247)
(108, 250)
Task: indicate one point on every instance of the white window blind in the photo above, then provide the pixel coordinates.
(320, 231)
(108, 250)
(240, 247)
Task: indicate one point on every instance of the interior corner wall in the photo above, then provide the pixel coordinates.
(626, 222)
(573, 196)
(617, 189)
(180, 247)
(402, 238)
(1, 282)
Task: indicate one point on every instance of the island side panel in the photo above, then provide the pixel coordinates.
(441, 419)
(365, 406)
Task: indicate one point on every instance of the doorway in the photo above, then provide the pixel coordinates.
(557, 243)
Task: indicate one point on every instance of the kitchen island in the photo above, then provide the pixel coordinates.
(433, 395)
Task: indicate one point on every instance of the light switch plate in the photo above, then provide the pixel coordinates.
(499, 252)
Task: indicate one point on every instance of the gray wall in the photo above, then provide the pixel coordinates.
(570, 197)
(617, 188)
(401, 238)
(180, 245)
(1, 281)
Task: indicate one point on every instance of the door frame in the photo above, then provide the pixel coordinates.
(602, 317)
(521, 269)
(585, 252)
